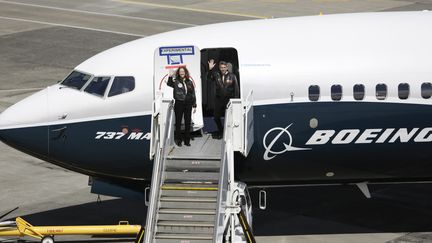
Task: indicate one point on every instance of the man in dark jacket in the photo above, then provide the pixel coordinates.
(226, 87)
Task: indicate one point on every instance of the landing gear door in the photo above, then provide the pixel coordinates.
(173, 57)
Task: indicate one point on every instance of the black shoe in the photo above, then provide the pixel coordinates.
(179, 143)
(217, 136)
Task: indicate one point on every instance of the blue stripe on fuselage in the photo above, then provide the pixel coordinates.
(76, 146)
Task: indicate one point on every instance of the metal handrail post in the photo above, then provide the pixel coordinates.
(158, 168)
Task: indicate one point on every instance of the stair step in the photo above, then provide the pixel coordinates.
(209, 186)
(188, 211)
(192, 165)
(192, 177)
(184, 224)
(186, 217)
(188, 193)
(181, 241)
(185, 237)
(195, 157)
(188, 199)
(187, 205)
(184, 230)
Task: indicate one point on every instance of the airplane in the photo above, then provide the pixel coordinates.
(339, 98)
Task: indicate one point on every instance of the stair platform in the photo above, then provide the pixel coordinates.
(204, 147)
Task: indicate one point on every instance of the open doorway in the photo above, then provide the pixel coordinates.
(228, 55)
(169, 59)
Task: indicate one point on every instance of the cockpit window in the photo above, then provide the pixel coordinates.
(76, 80)
(98, 86)
(122, 85)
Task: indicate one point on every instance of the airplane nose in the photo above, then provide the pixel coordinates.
(27, 112)
(23, 125)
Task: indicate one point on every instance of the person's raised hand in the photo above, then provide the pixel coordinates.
(211, 64)
(172, 72)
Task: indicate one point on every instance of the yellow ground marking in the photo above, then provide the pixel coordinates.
(193, 9)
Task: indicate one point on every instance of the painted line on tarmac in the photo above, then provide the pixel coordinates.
(98, 13)
(194, 9)
(72, 26)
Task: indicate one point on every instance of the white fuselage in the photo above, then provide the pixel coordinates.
(278, 59)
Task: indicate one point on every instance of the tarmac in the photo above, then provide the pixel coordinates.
(41, 41)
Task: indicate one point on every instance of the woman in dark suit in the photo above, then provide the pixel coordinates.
(185, 100)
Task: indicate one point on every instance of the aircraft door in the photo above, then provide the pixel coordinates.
(173, 57)
(168, 58)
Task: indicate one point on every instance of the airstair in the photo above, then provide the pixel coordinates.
(193, 196)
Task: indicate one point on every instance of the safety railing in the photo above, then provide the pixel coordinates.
(228, 205)
(234, 124)
(248, 124)
(155, 127)
(164, 138)
(223, 189)
(226, 180)
(240, 124)
(247, 230)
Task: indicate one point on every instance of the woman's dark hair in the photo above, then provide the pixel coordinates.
(186, 73)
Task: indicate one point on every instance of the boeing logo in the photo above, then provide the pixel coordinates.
(375, 135)
(279, 131)
(345, 136)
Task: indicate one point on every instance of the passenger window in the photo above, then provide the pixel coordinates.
(426, 90)
(98, 86)
(359, 91)
(403, 91)
(122, 85)
(76, 80)
(314, 92)
(336, 92)
(381, 91)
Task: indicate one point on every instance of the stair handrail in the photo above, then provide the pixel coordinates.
(248, 123)
(249, 99)
(228, 207)
(247, 229)
(156, 104)
(158, 162)
(226, 179)
(223, 188)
